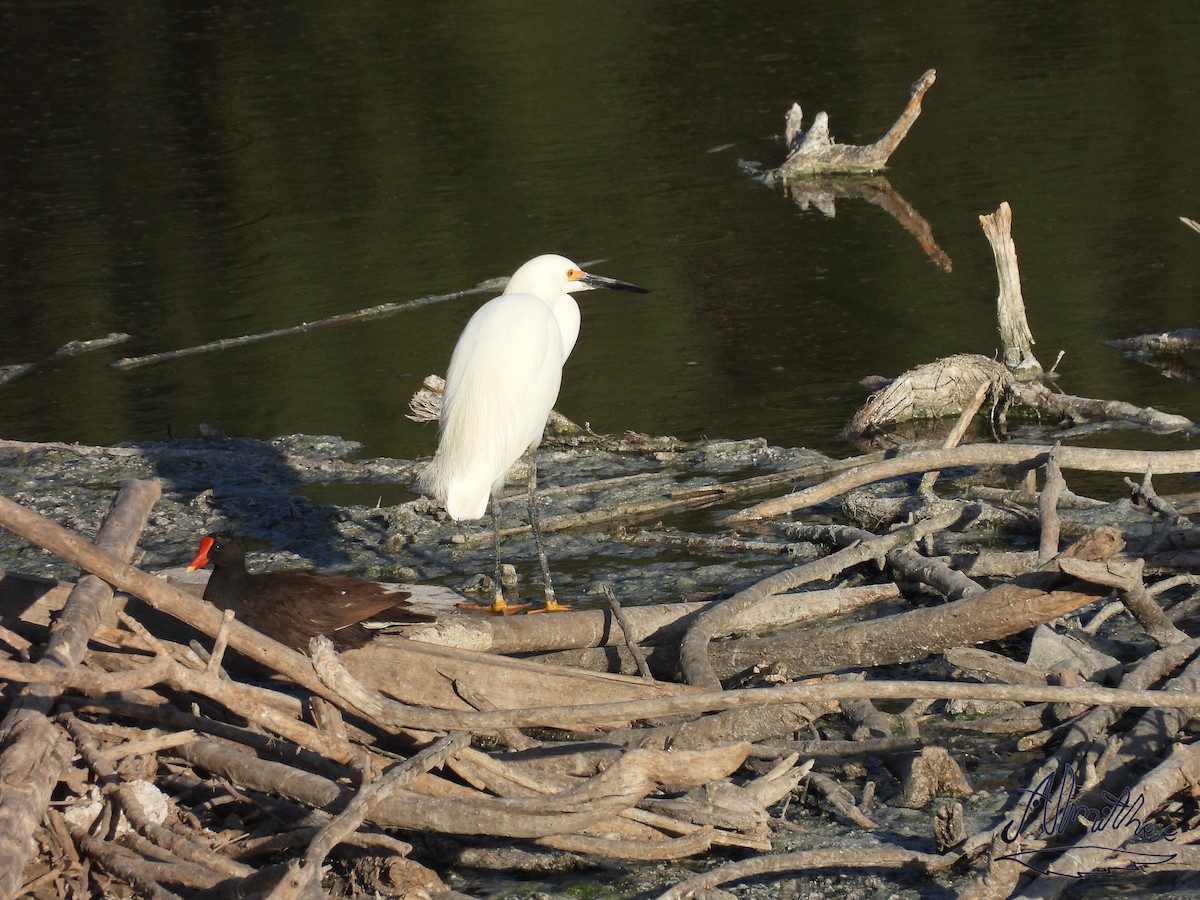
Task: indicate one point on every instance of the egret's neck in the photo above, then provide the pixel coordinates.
(566, 313)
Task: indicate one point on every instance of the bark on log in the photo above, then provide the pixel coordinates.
(429, 675)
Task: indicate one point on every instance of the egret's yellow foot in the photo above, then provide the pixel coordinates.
(497, 607)
(551, 606)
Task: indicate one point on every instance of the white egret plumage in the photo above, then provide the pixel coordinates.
(501, 385)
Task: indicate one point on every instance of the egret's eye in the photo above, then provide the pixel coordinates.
(572, 274)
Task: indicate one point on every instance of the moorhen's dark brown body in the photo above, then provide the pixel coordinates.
(294, 607)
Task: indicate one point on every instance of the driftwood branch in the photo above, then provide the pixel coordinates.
(1088, 459)
(814, 151)
(693, 652)
(363, 315)
(1000, 612)
(34, 752)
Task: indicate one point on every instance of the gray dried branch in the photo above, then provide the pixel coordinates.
(1090, 459)
(693, 652)
(813, 151)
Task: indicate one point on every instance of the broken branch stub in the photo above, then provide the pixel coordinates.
(1010, 306)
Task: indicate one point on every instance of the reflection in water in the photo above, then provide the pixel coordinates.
(823, 194)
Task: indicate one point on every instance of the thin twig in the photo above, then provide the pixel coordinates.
(630, 632)
(362, 315)
(371, 795)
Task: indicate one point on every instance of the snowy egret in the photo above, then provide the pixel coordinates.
(501, 385)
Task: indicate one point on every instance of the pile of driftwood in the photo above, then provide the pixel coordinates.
(135, 761)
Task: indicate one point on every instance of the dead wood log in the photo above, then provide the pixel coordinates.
(394, 715)
(830, 752)
(807, 861)
(1075, 409)
(1090, 459)
(657, 624)
(619, 787)
(425, 675)
(1168, 343)
(944, 387)
(84, 679)
(997, 613)
(1126, 578)
(693, 653)
(813, 151)
(35, 753)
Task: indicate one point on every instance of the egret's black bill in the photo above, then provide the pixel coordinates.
(600, 281)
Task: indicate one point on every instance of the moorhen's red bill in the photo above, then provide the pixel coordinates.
(295, 606)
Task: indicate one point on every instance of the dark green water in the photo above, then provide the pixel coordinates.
(190, 172)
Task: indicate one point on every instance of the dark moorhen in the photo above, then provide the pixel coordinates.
(295, 606)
